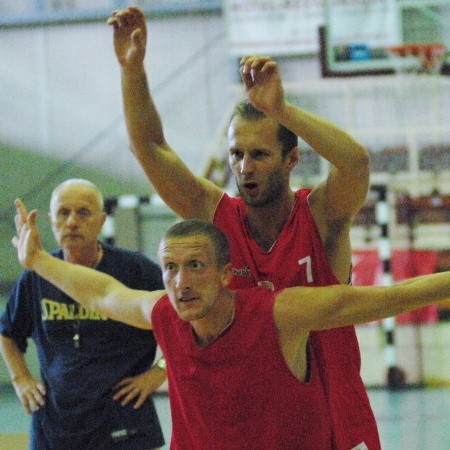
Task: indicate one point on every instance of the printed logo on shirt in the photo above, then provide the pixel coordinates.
(52, 310)
(245, 272)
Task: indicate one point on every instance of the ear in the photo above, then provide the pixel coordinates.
(103, 217)
(292, 159)
(227, 275)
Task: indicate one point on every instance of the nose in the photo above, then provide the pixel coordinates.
(182, 281)
(72, 218)
(246, 165)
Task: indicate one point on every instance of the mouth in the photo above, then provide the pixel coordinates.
(189, 303)
(250, 186)
(188, 299)
(72, 236)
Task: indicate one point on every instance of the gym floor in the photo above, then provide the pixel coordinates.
(411, 419)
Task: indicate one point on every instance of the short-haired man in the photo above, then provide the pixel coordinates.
(217, 342)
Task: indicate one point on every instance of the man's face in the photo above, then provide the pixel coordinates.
(191, 276)
(76, 217)
(255, 157)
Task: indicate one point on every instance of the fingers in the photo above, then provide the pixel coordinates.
(138, 38)
(127, 394)
(32, 397)
(21, 214)
(254, 69)
(20, 206)
(131, 389)
(140, 401)
(126, 18)
(124, 382)
(34, 401)
(32, 218)
(124, 388)
(22, 219)
(41, 388)
(257, 63)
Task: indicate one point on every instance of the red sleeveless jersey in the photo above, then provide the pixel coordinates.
(238, 393)
(298, 258)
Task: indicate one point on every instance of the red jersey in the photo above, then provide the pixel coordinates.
(298, 258)
(238, 393)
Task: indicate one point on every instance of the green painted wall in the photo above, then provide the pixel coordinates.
(32, 177)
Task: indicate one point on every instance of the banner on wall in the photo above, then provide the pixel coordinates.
(367, 269)
(413, 263)
(408, 263)
(273, 27)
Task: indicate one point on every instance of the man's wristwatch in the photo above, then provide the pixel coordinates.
(161, 363)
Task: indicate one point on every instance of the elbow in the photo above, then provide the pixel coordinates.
(356, 161)
(362, 158)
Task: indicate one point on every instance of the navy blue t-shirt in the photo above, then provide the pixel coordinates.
(79, 380)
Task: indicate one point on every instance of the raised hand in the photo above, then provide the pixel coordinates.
(26, 241)
(262, 81)
(130, 36)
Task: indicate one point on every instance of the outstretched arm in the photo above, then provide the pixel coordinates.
(299, 309)
(345, 189)
(93, 289)
(186, 194)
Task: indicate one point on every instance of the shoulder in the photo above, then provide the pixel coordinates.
(26, 279)
(161, 309)
(227, 201)
(255, 298)
(228, 210)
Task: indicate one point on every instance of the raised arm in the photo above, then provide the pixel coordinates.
(188, 195)
(344, 192)
(95, 290)
(299, 309)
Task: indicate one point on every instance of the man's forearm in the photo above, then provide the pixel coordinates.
(142, 119)
(14, 359)
(330, 141)
(373, 303)
(85, 285)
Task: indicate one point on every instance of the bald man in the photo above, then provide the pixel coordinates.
(95, 373)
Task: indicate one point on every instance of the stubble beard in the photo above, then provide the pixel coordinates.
(267, 196)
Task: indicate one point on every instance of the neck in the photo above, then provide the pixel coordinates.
(265, 223)
(209, 329)
(89, 257)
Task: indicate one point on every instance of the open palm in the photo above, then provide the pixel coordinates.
(26, 241)
(130, 36)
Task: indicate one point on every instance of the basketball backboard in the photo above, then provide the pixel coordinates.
(358, 33)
